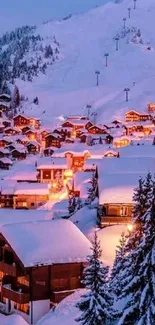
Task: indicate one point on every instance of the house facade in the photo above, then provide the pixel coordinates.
(133, 116)
(53, 140)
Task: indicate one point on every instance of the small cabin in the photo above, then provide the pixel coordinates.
(31, 134)
(25, 129)
(53, 140)
(5, 163)
(12, 131)
(4, 153)
(111, 153)
(133, 116)
(5, 98)
(48, 151)
(151, 108)
(121, 141)
(51, 170)
(6, 123)
(94, 129)
(77, 124)
(4, 102)
(21, 121)
(18, 154)
(30, 195)
(33, 147)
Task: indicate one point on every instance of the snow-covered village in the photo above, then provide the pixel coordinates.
(77, 165)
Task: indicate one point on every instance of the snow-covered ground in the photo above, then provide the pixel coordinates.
(70, 84)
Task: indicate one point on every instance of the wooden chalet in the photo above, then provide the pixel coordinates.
(53, 140)
(31, 134)
(12, 131)
(116, 192)
(22, 121)
(94, 129)
(6, 123)
(5, 163)
(49, 151)
(76, 160)
(40, 264)
(30, 195)
(52, 170)
(25, 129)
(33, 147)
(4, 102)
(121, 141)
(111, 153)
(63, 132)
(6, 197)
(3, 143)
(4, 153)
(77, 124)
(151, 108)
(133, 116)
(19, 154)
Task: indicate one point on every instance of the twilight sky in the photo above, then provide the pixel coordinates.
(14, 13)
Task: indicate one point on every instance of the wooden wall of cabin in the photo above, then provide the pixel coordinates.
(55, 278)
(29, 201)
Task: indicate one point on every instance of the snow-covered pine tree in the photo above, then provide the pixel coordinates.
(16, 97)
(92, 190)
(96, 303)
(141, 199)
(5, 89)
(148, 187)
(118, 266)
(140, 306)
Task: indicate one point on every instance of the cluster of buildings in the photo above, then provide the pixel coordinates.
(40, 166)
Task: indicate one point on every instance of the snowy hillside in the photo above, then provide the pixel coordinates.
(71, 83)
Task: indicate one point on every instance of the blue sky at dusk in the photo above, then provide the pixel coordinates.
(14, 13)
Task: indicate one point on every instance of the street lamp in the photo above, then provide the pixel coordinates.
(106, 59)
(88, 108)
(129, 12)
(130, 227)
(117, 41)
(97, 72)
(124, 20)
(127, 93)
(134, 1)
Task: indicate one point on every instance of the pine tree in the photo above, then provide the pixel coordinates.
(5, 88)
(92, 190)
(115, 278)
(95, 305)
(16, 97)
(141, 199)
(140, 306)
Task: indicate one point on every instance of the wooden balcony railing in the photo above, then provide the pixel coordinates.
(8, 268)
(18, 297)
(114, 220)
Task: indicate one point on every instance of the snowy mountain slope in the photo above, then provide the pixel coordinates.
(70, 84)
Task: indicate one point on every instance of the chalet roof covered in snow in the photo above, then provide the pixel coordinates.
(126, 165)
(8, 216)
(31, 189)
(47, 242)
(117, 188)
(52, 163)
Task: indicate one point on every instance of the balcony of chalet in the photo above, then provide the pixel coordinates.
(19, 294)
(114, 220)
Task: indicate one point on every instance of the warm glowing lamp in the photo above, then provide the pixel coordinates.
(130, 227)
